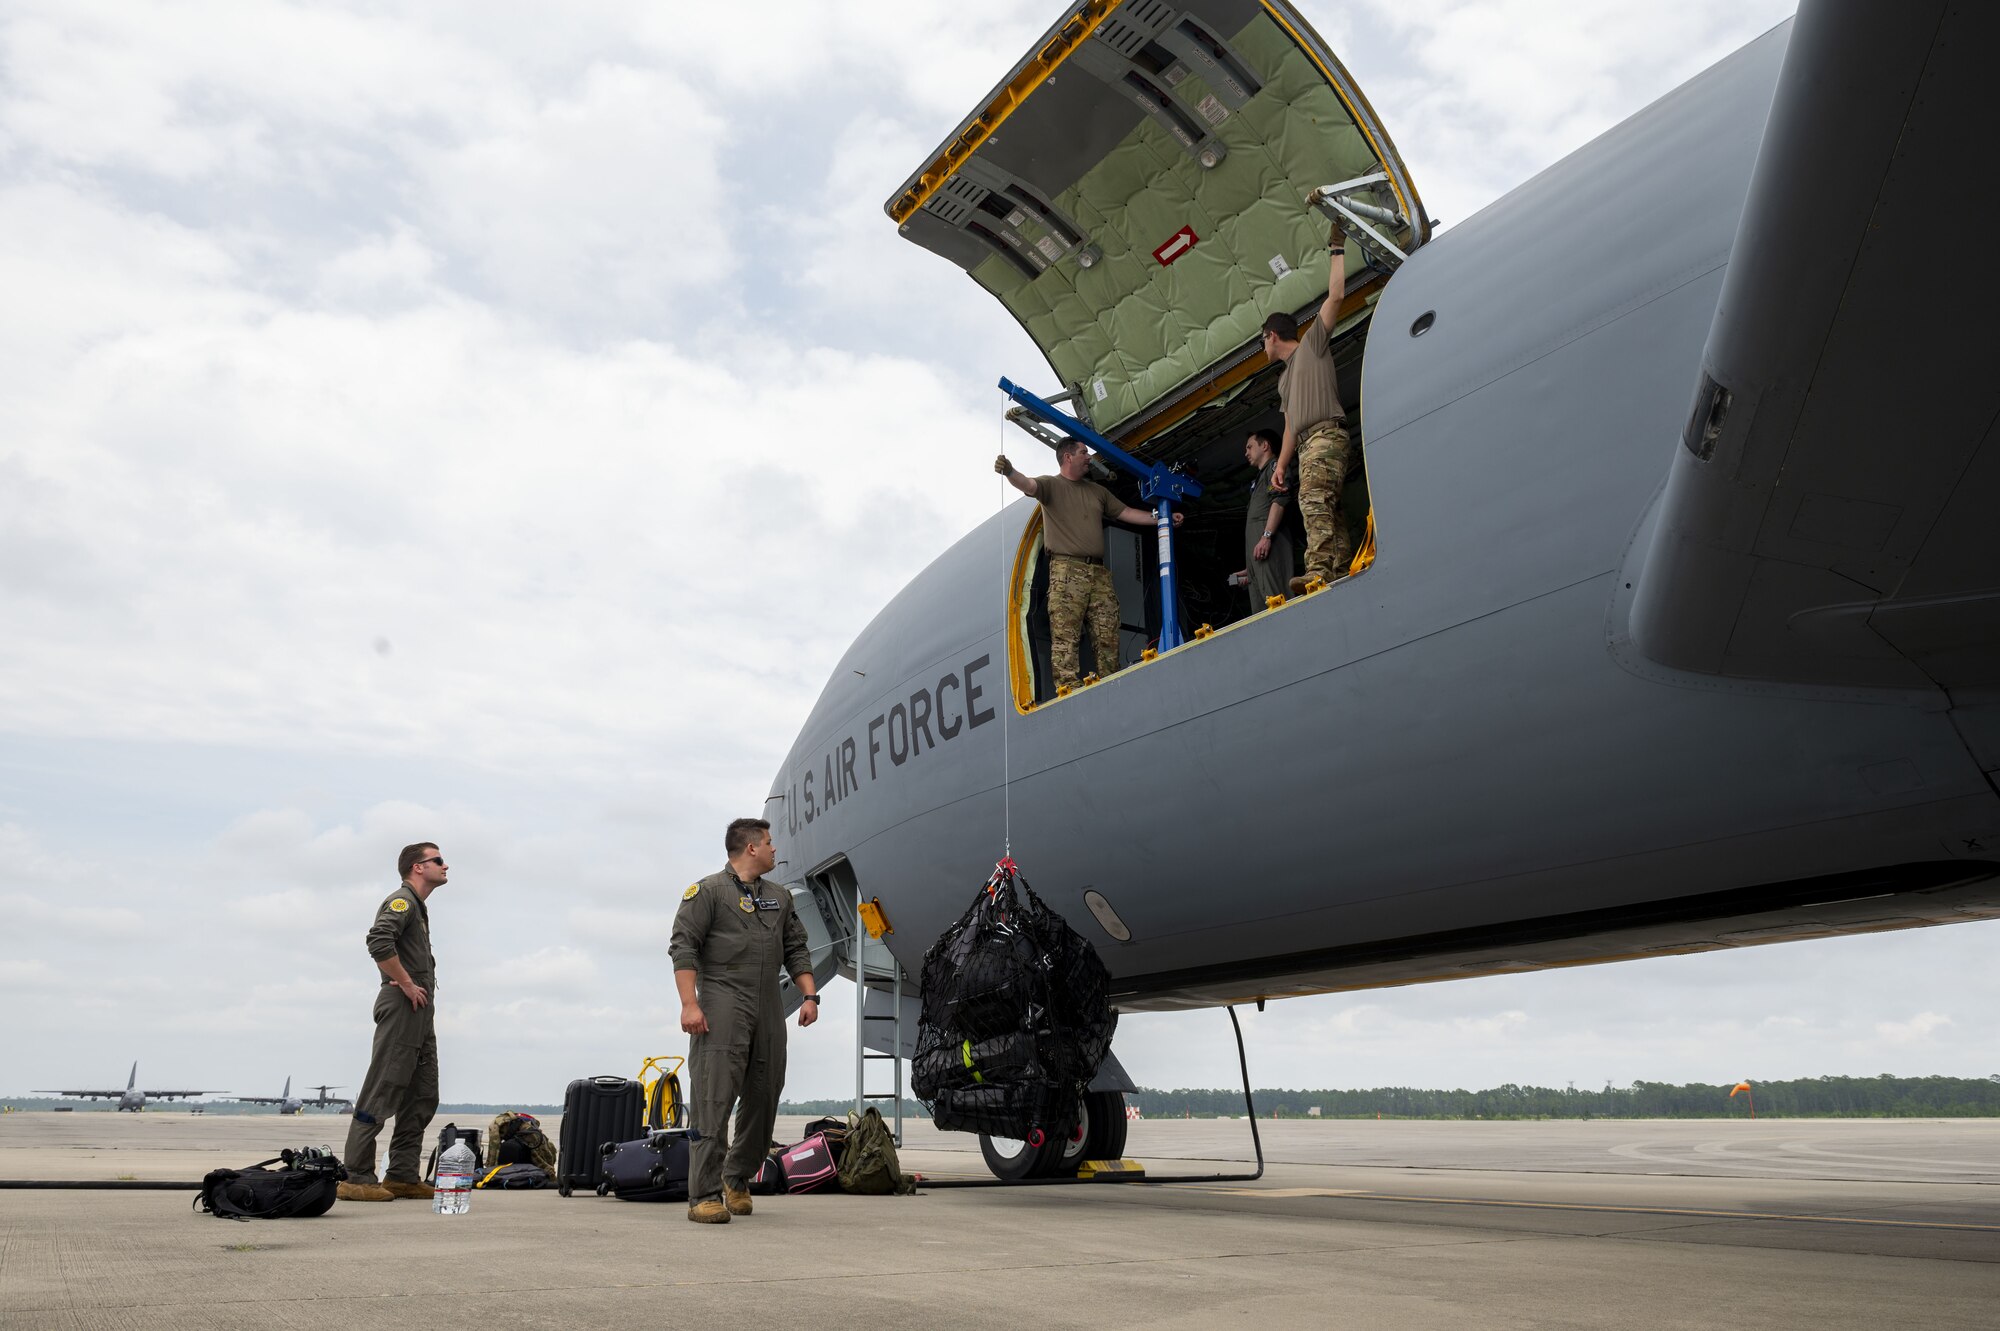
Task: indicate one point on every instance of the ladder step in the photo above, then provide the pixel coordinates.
(878, 1018)
(887, 1095)
(881, 1055)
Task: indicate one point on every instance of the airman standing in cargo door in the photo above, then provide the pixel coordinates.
(1080, 589)
(733, 932)
(402, 1080)
(1315, 426)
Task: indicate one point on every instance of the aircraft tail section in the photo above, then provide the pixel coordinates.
(1827, 517)
(133, 1080)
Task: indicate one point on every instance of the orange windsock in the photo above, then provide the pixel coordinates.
(1742, 1086)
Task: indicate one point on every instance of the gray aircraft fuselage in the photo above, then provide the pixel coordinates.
(1455, 762)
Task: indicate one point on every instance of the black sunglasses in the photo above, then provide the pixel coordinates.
(438, 860)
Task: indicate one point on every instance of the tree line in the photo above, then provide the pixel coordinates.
(1885, 1096)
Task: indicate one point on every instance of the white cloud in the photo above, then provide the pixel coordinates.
(560, 970)
(27, 975)
(602, 205)
(1917, 1030)
(84, 923)
(645, 930)
(1481, 94)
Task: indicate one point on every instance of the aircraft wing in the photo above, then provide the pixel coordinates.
(176, 1095)
(1829, 515)
(252, 1099)
(86, 1095)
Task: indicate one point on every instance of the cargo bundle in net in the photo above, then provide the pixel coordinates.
(1016, 1017)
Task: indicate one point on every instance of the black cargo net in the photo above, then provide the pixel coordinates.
(1016, 1017)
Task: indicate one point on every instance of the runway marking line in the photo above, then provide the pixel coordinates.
(1359, 1195)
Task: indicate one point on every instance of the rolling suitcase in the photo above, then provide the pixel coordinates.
(652, 1169)
(596, 1111)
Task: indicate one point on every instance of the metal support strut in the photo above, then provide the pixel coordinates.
(1343, 206)
(1159, 486)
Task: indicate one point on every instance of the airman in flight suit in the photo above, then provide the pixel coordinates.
(733, 932)
(402, 1080)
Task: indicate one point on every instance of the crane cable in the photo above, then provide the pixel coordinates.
(1006, 627)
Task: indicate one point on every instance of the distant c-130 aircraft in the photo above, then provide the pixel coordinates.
(1682, 627)
(288, 1103)
(131, 1097)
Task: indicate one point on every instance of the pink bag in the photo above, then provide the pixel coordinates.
(809, 1165)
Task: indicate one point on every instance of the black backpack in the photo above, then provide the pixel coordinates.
(449, 1134)
(306, 1186)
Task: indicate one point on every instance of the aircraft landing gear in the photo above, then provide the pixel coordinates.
(1100, 1135)
(1013, 1160)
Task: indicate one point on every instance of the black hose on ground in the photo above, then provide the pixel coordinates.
(1256, 1140)
(101, 1184)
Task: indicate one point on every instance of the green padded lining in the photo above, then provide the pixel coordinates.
(1143, 330)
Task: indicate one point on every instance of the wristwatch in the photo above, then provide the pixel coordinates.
(810, 998)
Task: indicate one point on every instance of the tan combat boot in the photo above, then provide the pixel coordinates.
(1297, 586)
(363, 1192)
(736, 1199)
(422, 1192)
(710, 1212)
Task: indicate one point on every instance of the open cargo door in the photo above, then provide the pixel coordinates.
(1135, 193)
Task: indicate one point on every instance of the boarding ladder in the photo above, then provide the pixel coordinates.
(876, 966)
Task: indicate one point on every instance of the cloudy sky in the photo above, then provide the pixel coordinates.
(489, 422)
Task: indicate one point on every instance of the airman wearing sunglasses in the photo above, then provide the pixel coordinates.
(402, 1080)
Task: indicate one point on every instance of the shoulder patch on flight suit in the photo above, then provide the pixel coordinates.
(690, 894)
(399, 905)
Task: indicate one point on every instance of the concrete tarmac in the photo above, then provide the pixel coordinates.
(1868, 1223)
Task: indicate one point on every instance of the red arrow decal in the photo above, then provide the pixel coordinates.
(1177, 244)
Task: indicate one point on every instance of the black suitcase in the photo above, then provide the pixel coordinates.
(652, 1169)
(596, 1110)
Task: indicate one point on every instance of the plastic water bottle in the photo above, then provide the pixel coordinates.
(454, 1181)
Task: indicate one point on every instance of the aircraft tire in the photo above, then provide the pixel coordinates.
(1106, 1112)
(1076, 1147)
(1099, 1135)
(1011, 1160)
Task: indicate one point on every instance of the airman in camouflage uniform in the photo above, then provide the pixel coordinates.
(402, 1080)
(1074, 511)
(1080, 592)
(1315, 425)
(733, 933)
(1322, 473)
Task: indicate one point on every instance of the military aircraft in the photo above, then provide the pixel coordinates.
(324, 1101)
(288, 1103)
(1675, 622)
(131, 1097)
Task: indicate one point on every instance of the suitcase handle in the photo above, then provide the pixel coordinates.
(607, 1082)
